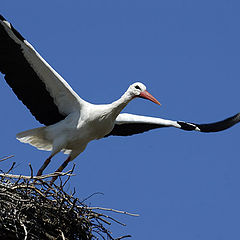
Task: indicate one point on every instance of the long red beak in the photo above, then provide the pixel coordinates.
(145, 94)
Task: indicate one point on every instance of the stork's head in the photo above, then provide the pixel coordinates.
(138, 89)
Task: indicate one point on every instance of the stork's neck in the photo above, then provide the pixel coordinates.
(118, 105)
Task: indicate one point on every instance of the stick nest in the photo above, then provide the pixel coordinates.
(30, 208)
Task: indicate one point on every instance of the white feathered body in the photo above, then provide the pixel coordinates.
(74, 132)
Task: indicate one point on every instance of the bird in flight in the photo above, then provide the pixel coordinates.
(71, 122)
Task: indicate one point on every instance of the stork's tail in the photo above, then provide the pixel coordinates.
(35, 137)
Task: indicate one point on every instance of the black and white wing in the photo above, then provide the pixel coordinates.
(129, 124)
(45, 93)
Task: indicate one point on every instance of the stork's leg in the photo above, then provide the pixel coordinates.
(57, 146)
(45, 164)
(60, 169)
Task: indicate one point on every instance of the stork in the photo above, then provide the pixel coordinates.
(71, 122)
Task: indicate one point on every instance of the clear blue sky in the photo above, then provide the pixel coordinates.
(184, 185)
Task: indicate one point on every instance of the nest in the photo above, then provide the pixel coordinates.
(31, 208)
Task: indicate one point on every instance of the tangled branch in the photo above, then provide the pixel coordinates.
(32, 208)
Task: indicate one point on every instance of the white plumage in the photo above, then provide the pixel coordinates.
(71, 123)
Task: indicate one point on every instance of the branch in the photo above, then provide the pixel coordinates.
(3, 159)
(127, 236)
(24, 228)
(10, 169)
(31, 170)
(68, 173)
(113, 210)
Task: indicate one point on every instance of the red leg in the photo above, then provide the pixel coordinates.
(45, 164)
(60, 169)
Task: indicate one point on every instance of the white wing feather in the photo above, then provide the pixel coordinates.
(125, 118)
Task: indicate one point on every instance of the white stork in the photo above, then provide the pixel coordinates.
(70, 122)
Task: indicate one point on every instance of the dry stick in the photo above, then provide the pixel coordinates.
(37, 177)
(113, 219)
(25, 229)
(102, 219)
(13, 164)
(62, 234)
(73, 204)
(97, 215)
(3, 159)
(61, 183)
(127, 236)
(73, 193)
(99, 233)
(101, 228)
(69, 176)
(113, 210)
(85, 199)
(12, 197)
(28, 186)
(60, 179)
(31, 170)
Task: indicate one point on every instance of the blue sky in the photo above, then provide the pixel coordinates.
(184, 185)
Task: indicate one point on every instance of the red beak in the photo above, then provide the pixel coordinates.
(145, 94)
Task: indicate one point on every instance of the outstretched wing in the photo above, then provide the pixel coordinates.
(45, 93)
(129, 124)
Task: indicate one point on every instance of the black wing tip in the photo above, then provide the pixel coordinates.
(17, 34)
(2, 18)
(221, 125)
(211, 127)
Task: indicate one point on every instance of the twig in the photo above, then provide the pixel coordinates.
(5, 158)
(73, 204)
(62, 234)
(13, 164)
(28, 186)
(37, 177)
(31, 170)
(73, 193)
(102, 219)
(71, 171)
(85, 199)
(127, 236)
(25, 229)
(113, 210)
(113, 219)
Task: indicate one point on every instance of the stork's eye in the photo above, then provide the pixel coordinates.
(137, 87)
